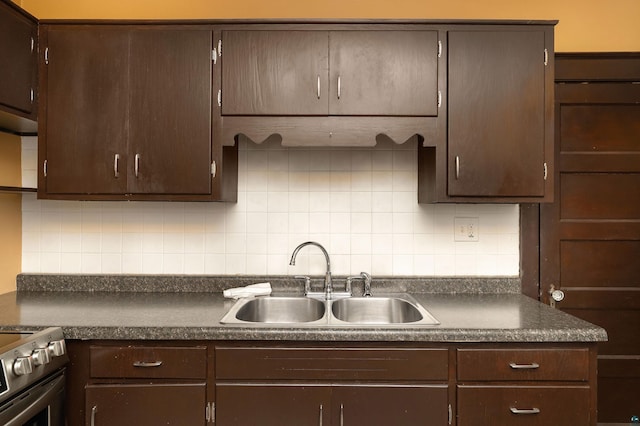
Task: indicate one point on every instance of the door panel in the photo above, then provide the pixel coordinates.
(496, 105)
(371, 405)
(18, 59)
(590, 237)
(275, 73)
(266, 404)
(170, 69)
(88, 89)
(384, 73)
(146, 404)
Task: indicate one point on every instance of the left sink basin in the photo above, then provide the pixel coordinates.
(276, 310)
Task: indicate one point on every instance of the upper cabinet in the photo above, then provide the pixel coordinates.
(313, 72)
(127, 113)
(18, 70)
(153, 111)
(499, 139)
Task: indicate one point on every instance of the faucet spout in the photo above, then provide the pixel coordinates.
(328, 286)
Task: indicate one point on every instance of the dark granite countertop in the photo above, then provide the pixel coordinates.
(150, 308)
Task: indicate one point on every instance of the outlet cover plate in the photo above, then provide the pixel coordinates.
(466, 229)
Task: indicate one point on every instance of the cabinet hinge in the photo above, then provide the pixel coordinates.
(213, 169)
(544, 170)
(439, 48)
(46, 56)
(214, 56)
(219, 97)
(44, 168)
(546, 57)
(450, 412)
(219, 47)
(210, 412)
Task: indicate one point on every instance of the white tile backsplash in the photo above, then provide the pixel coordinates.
(360, 203)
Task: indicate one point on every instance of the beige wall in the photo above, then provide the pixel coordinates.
(10, 213)
(585, 25)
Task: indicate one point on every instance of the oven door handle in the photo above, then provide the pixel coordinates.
(40, 397)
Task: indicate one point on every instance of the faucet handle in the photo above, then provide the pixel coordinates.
(367, 284)
(307, 283)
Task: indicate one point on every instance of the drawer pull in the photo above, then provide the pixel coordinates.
(144, 364)
(515, 410)
(531, 366)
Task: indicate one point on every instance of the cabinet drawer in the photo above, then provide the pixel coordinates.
(148, 362)
(331, 363)
(523, 364)
(523, 405)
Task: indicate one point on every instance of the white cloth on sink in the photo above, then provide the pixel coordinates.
(259, 289)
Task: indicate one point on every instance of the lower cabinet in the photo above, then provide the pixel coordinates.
(338, 385)
(343, 404)
(145, 384)
(330, 383)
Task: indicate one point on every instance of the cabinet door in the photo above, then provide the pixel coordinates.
(383, 73)
(496, 105)
(146, 404)
(18, 37)
(274, 73)
(170, 112)
(266, 404)
(84, 128)
(425, 405)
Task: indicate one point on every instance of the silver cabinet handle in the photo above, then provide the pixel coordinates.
(457, 167)
(533, 410)
(339, 86)
(531, 366)
(145, 364)
(341, 414)
(116, 160)
(320, 418)
(318, 87)
(94, 410)
(136, 164)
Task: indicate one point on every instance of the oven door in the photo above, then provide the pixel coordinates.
(40, 405)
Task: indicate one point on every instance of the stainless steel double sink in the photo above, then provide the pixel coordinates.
(399, 310)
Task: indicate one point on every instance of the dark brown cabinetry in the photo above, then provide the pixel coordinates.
(499, 142)
(146, 385)
(313, 72)
(376, 383)
(338, 385)
(525, 386)
(127, 111)
(18, 70)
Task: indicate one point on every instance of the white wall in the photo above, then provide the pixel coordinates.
(359, 203)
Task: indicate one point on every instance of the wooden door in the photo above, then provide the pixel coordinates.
(496, 107)
(590, 236)
(170, 112)
(145, 404)
(84, 128)
(383, 405)
(274, 73)
(18, 50)
(271, 404)
(383, 73)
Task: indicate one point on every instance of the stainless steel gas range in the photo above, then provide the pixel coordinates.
(32, 377)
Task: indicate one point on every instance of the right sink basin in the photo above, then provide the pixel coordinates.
(381, 311)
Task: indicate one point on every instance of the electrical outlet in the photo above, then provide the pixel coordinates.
(466, 229)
